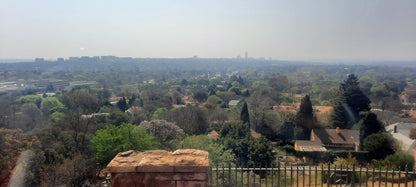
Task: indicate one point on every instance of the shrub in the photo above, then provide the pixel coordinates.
(110, 141)
(401, 160)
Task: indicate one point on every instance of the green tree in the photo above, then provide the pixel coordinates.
(304, 117)
(401, 160)
(110, 141)
(245, 93)
(339, 116)
(36, 99)
(219, 156)
(158, 112)
(355, 98)
(248, 151)
(50, 105)
(245, 116)
(192, 119)
(379, 145)
(236, 136)
(349, 103)
(279, 83)
(261, 152)
(212, 102)
(236, 90)
(369, 124)
(81, 100)
(122, 104)
(167, 133)
(200, 95)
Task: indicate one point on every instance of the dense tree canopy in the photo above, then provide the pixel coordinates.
(349, 103)
(245, 116)
(305, 118)
(115, 139)
(156, 89)
(219, 156)
(379, 145)
(166, 133)
(369, 124)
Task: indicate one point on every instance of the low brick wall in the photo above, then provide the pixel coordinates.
(184, 167)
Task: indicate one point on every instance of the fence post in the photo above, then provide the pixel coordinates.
(328, 175)
(373, 176)
(297, 175)
(229, 174)
(223, 175)
(335, 174)
(359, 179)
(291, 175)
(322, 175)
(379, 176)
(259, 175)
(210, 176)
(254, 175)
(405, 176)
(217, 176)
(248, 175)
(413, 177)
(366, 176)
(400, 177)
(273, 174)
(278, 174)
(387, 169)
(353, 174)
(316, 175)
(235, 172)
(242, 173)
(265, 174)
(284, 176)
(310, 173)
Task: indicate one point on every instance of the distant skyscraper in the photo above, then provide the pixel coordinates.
(246, 55)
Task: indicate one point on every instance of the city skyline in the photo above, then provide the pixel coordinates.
(282, 30)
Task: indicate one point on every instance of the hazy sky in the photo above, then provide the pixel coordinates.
(285, 30)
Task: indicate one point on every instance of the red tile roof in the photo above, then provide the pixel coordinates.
(213, 134)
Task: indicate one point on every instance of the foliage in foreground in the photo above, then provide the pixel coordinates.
(218, 155)
(114, 139)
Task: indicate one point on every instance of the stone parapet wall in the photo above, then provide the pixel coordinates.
(183, 167)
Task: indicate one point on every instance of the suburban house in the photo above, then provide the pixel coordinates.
(400, 131)
(330, 139)
(213, 134)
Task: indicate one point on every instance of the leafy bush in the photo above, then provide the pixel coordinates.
(379, 145)
(110, 141)
(218, 155)
(401, 160)
(331, 156)
(167, 133)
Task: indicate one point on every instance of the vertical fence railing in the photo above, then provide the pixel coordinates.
(323, 175)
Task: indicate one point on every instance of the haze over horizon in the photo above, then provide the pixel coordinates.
(284, 30)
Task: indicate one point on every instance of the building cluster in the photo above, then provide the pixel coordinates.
(87, 59)
(49, 85)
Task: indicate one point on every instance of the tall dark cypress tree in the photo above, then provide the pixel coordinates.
(369, 124)
(122, 104)
(350, 102)
(354, 97)
(304, 117)
(339, 116)
(245, 117)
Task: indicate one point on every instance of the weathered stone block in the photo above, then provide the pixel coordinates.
(184, 167)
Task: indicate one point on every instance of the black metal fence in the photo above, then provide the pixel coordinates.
(311, 175)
